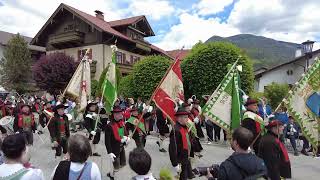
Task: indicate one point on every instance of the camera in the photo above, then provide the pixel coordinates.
(203, 171)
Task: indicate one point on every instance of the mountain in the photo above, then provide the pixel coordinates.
(265, 52)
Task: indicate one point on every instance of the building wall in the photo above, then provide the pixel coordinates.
(100, 53)
(279, 75)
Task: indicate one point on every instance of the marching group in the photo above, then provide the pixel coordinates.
(259, 148)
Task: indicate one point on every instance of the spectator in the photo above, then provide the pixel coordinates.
(292, 133)
(274, 153)
(242, 164)
(16, 154)
(77, 168)
(140, 163)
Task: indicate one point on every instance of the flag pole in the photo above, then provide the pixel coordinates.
(150, 99)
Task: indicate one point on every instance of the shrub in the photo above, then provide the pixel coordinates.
(125, 87)
(275, 93)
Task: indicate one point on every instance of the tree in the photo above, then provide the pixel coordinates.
(206, 65)
(125, 87)
(16, 64)
(275, 93)
(52, 72)
(147, 74)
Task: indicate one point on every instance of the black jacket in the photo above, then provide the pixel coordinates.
(178, 155)
(275, 156)
(239, 166)
(54, 128)
(112, 145)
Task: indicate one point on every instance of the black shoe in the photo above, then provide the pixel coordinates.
(162, 150)
(158, 143)
(109, 175)
(296, 153)
(40, 132)
(96, 154)
(304, 152)
(192, 176)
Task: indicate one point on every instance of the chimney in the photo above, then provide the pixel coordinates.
(99, 14)
(298, 52)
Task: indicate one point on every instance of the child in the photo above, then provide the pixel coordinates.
(140, 163)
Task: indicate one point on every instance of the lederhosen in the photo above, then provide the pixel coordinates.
(180, 149)
(25, 124)
(59, 131)
(114, 132)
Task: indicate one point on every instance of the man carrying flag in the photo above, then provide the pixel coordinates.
(139, 133)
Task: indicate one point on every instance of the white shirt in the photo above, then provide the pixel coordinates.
(9, 169)
(95, 172)
(144, 177)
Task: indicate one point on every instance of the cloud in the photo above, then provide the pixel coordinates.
(209, 7)
(27, 17)
(155, 9)
(193, 28)
(294, 21)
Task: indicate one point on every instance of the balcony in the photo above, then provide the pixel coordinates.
(67, 39)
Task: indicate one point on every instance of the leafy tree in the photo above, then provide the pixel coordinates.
(256, 95)
(146, 75)
(275, 93)
(206, 65)
(52, 72)
(16, 65)
(125, 87)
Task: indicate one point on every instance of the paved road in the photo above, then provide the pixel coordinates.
(304, 168)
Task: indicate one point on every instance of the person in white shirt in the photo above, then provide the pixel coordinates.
(16, 155)
(140, 162)
(77, 167)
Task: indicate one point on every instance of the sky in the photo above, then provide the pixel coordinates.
(182, 23)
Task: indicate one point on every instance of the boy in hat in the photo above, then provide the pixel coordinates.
(252, 121)
(274, 153)
(139, 135)
(59, 129)
(115, 140)
(180, 146)
(90, 117)
(25, 123)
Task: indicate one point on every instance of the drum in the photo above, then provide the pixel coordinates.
(7, 122)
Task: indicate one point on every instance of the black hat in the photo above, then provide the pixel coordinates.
(116, 109)
(60, 106)
(251, 101)
(181, 111)
(274, 123)
(92, 103)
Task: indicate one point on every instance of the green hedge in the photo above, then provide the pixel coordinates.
(125, 87)
(206, 65)
(275, 93)
(146, 75)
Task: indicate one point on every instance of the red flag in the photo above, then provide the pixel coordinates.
(169, 89)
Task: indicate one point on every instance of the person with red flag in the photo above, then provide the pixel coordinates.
(274, 152)
(180, 146)
(136, 124)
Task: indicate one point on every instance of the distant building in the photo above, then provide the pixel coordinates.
(182, 53)
(72, 31)
(286, 73)
(36, 51)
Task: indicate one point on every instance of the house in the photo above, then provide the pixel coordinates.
(285, 73)
(36, 51)
(72, 31)
(181, 53)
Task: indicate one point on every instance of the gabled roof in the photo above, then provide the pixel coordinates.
(98, 23)
(182, 53)
(304, 57)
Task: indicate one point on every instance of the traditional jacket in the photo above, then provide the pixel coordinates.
(180, 145)
(161, 122)
(24, 122)
(253, 122)
(114, 132)
(59, 127)
(275, 156)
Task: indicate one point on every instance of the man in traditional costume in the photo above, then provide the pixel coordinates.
(252, 121)
(90, 117)
(115, 140)
(59, 129)
(136, 125)
(24, 123)
(274, 153)
(162, 125)
(180, 146)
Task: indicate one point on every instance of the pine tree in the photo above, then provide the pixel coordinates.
(15, 67)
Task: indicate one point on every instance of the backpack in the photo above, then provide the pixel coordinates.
(246, 176)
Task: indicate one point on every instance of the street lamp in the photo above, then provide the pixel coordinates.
(307, 50)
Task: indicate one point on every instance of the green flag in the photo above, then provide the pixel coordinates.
(303, 103)
(109, 86)
(223, 106)
(134, 121)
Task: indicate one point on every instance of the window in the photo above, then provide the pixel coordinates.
(134, 59)
(121, 57)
